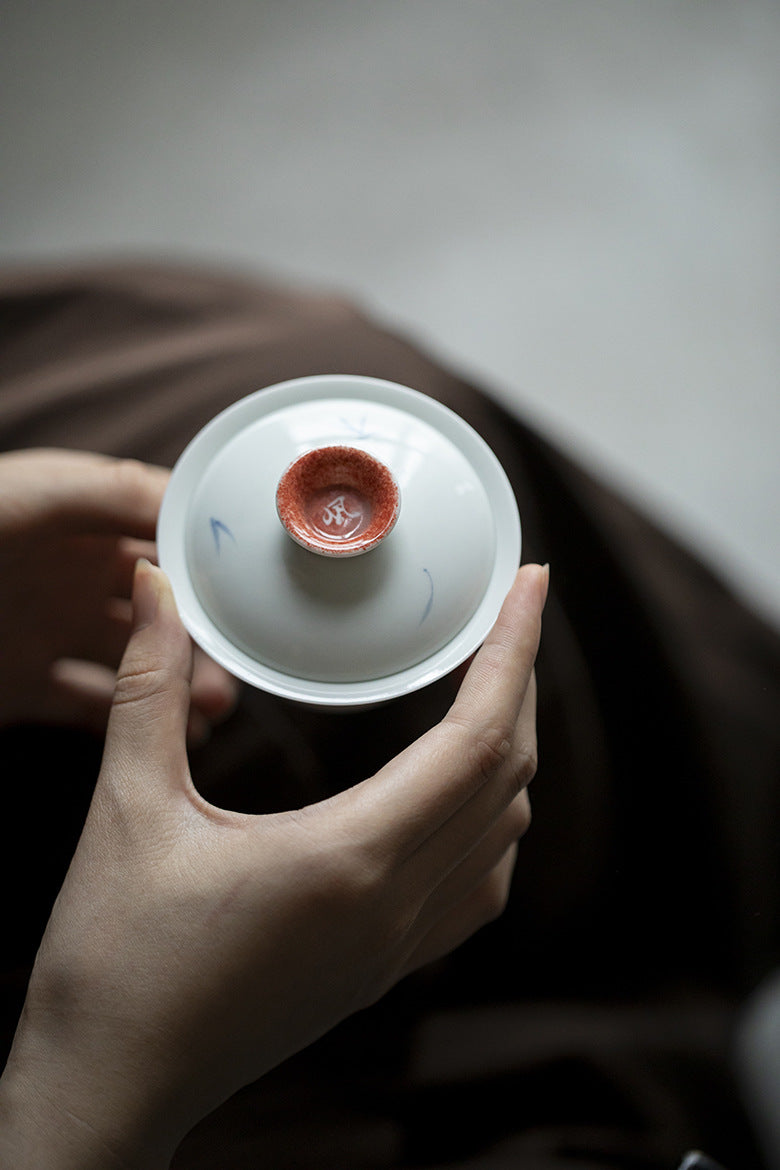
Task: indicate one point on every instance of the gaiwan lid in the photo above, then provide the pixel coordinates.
(339, 540)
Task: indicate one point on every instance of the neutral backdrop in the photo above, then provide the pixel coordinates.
(574, 202)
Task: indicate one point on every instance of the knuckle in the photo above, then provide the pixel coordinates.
(520, 816)
(346, 881)
(525, 763)
(357, 881)
(133, 481)
(368, 895)
(493, 896)
(130, 474)
(352, 887)
(490, 748)
(138, 684)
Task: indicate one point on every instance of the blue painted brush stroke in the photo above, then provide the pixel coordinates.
(429, 602)
(359, 431)
(217, 527)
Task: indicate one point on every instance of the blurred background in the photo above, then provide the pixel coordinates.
(576, 204)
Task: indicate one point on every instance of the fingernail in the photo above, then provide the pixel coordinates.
(545, 583)
(146, 595)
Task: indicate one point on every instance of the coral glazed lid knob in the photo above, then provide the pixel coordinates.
(338, 501)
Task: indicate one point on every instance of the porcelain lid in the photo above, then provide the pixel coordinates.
(329, 629)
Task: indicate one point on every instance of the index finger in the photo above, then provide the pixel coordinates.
(491, 694)
(409, 799)
(78, 491)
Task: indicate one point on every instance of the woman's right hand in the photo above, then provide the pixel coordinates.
(192, 949)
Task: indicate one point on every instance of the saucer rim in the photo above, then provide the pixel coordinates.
(204, 446)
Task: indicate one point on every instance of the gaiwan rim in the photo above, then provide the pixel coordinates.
(197, 455)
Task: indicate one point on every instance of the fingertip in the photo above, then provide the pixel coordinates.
(528, 595)
(151, 590)
(154, 605)
(536, 577)
(146, 594)
(544, 584)
(151, 698)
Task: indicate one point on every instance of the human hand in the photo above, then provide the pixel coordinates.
(72, 526)
(192, 949)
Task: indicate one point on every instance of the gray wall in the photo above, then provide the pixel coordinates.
(576, 202)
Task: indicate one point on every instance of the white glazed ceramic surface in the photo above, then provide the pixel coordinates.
(336, 631)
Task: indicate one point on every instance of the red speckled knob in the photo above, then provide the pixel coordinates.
(338, 501)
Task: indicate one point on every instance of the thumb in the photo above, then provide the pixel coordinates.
(146, 737)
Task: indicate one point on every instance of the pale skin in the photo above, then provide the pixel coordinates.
(192, 949)
(72, 526)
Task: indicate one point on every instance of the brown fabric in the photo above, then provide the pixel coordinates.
(591, 1025)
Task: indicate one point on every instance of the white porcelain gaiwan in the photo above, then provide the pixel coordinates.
(306, 622)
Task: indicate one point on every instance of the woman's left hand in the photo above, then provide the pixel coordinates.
(72, 526)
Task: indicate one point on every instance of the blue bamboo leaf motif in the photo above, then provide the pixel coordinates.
(217, 528)
(359, 429)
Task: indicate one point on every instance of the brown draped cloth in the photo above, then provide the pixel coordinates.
(591, 1025)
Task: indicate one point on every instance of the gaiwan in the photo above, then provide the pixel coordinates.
(339, 540)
